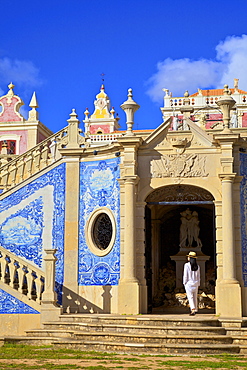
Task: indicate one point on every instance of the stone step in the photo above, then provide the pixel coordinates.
(157, 320)
(133, 338)
(167, 348)
(129, 347)
(141, 338)
(87, 327)
(240, 340)
(58, 333)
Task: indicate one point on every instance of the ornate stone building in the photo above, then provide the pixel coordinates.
(101, 221)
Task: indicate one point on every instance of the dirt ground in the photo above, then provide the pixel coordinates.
(127, 362)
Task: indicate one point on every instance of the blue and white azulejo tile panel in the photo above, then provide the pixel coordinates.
(10, 305)
(243, 210)
(32, 219)
(99, 188)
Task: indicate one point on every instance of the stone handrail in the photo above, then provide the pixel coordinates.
(32, 161)
(21, 275)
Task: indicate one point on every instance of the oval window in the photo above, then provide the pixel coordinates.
(102, 231)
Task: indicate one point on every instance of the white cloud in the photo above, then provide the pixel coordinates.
(22, 73)
(186, 74)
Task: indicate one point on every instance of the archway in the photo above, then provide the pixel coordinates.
(166, 254)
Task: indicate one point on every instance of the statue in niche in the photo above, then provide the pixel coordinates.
(189, 229)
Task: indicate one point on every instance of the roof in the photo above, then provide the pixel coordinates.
(216, 92)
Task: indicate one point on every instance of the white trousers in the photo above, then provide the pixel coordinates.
(192, 296)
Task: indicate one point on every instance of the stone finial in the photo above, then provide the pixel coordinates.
(34, 102)
(73, 130)
(112, 111)
(186, 98)
(11, 91)
(236, 83)
(86, 113)
(226, 91)
(33, 114)
(130, 107)
(226, 103)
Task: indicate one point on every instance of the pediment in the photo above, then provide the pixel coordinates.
(200, 135)
(158, 135)
(196, 136)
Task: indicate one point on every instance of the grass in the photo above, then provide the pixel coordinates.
(23, 357)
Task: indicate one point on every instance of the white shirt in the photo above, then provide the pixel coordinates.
(191, 278)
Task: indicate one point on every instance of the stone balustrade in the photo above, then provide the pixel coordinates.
(21, 275)
(32, 161)
(104, 137)
(200, 100)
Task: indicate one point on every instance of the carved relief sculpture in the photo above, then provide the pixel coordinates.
(179, 165)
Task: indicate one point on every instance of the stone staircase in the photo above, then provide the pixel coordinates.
(160, 334)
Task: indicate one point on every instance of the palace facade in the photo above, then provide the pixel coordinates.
(101, 221)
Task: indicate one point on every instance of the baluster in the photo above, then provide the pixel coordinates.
(21, 275)
(12, 174)
(24, 286)
(29, 277)
(44, 153)
(12, 271)
(6, 270)
(38, 289)
(5, 178)
(20, 170)
(53, 149)
(37, 158)
(42, 286)
(29, 164)
(16, 282)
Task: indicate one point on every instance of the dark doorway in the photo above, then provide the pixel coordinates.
(163, 220)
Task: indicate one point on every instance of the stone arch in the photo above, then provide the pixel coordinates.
(180, 193)
(163, 211)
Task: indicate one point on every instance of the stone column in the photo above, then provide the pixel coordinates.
(129, 300)
(228, 292)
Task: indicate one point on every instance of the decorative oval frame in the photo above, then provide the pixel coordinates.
(89, 231)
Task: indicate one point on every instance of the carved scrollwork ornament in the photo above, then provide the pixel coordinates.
(179, 165)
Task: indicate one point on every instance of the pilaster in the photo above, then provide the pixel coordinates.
(70, 288)
(228, 289)
(129, 289)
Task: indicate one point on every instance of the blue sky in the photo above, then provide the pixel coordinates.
(60, 48)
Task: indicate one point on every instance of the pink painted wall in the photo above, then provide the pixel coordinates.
(9, 111)
(95, 128)
(23, 138)
(244, 120)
